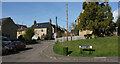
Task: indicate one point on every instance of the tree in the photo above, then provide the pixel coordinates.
(97, 17)
(29, 32)
(118, 22)
(59, 34)
(72, 26)
(118, 25)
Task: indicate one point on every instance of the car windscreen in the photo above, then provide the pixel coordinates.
(21, 43)
(5, 39)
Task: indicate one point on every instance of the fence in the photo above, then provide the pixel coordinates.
(70, 38)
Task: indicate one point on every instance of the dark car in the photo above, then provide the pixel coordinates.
(4, 49)
(8, 46)
(19, 45)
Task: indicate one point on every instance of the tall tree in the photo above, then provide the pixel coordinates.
(97, 17)
(118, 25)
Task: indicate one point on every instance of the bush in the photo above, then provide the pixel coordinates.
(21, 38)
(29, 32)
(47, 37)
(93, 36)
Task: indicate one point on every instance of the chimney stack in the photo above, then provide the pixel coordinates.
(21, 27)
(34, 22)
(50, 21)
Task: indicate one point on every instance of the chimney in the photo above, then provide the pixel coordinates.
(21, 27)
(34, 22)
(50, 21)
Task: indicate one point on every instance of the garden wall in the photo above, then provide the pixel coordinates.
(70, 38)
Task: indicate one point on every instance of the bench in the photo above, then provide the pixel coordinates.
(86, 48)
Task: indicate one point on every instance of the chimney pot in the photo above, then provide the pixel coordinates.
(50, 21)
(21, 27)
(34, 21)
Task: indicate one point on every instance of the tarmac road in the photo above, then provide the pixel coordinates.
(32, 54)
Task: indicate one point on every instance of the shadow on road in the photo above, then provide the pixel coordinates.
(31, 43)
(28, 48)
(11, 53)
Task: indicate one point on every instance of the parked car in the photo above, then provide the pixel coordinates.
(4, 49)
(8, 46)
(6, 40)
(19, 45)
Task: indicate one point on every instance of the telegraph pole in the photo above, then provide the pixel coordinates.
(56, 30)
(56, 26)
(67, 19)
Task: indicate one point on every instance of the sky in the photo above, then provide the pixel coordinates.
(26, 12)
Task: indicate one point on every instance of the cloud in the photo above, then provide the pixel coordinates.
(116, 14)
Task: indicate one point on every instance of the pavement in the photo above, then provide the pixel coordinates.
(43, 52)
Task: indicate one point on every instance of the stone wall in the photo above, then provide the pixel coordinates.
(9, 29)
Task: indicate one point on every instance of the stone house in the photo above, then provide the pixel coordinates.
(9, 28)
(45, 29)
(21, 30)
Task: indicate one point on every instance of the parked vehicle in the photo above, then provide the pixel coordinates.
(19, 45)
(4, 49)
(8, 46)
(6, 40)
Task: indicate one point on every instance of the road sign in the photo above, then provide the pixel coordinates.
(85, 46)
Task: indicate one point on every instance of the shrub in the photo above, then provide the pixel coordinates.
(93, 36)
(29, 32)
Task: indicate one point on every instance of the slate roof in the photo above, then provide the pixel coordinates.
(41, 25)
(47, 25)
(19, 26)
(7, 19)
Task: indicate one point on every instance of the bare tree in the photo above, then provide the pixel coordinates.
(72, 26)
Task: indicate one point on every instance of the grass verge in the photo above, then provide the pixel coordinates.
(104, 46)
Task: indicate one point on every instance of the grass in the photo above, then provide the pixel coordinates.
(104, 46)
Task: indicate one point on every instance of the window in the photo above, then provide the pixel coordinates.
(41, 30)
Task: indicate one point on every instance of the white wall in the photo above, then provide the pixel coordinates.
(70, 38)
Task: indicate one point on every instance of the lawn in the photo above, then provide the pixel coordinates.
(104, 46)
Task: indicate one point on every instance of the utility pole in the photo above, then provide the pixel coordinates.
(56, 24)
(67, 19)
(56, 27)
(56, 30)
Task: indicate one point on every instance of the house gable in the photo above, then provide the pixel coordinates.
(9, 28)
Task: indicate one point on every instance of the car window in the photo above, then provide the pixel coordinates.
(4, 39)
(17, 42)
(21, 43)
(12, 43)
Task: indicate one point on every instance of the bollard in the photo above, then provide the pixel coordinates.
(65, 51)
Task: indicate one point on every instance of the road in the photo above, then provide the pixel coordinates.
(32, 54)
